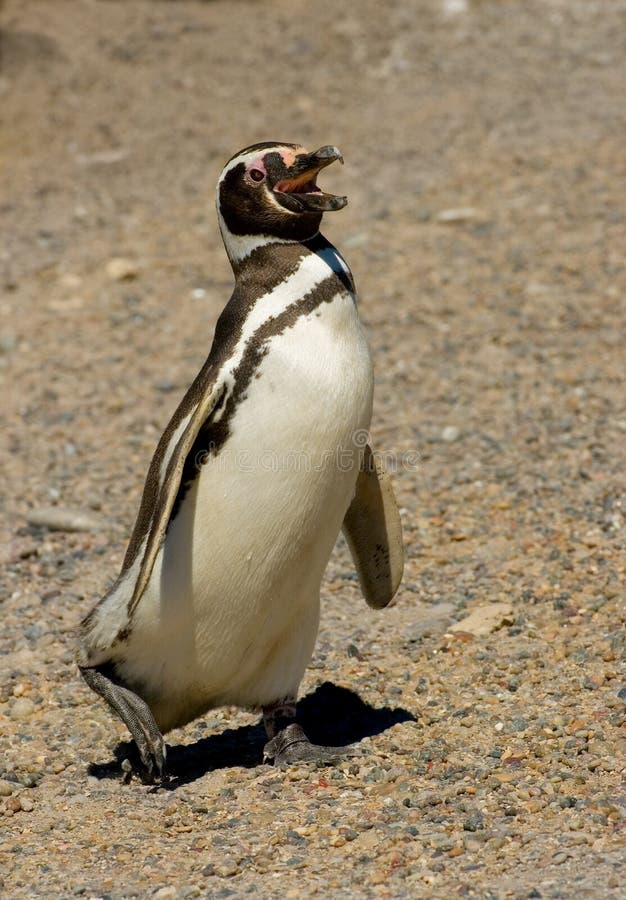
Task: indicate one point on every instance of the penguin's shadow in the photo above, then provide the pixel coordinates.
(332, 715)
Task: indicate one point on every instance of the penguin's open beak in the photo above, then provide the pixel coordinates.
(299, 192)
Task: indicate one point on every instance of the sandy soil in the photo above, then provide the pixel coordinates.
(484, 146)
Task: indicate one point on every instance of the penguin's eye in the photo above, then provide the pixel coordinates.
(257, 175)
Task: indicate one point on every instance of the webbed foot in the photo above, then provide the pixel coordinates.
(291, 745)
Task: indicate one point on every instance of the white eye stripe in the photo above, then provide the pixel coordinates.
(245, 158)
(248, 158)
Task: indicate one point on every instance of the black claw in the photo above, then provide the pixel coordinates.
(143, 769)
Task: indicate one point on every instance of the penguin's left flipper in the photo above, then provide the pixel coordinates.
(373, 531)
(138, 718)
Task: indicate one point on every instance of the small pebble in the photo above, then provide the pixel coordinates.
(121, 269)
(22, 708)
(165, 893)
(8, 342)
(458, 215)
(450, 434)
(226, 868)
(59, 518)
(6, 788)
(474, 822)
(485, 619)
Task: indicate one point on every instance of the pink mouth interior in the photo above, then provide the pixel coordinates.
(294, 186)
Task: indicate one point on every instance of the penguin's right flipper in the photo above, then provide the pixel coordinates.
(373, 530)
(136, 715)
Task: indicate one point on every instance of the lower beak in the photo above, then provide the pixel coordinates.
(299, 191)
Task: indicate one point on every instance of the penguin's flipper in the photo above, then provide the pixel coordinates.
(373, 531)
(156, 505)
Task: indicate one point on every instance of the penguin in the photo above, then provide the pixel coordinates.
(264, 462)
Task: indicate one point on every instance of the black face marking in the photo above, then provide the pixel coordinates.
(247, 209)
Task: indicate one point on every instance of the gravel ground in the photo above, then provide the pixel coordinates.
(484, 146)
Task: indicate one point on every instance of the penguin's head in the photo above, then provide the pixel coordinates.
(269, 191)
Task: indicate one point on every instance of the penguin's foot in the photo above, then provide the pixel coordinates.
(137, 716)
(291, 745)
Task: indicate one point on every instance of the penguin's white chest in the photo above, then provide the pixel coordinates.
(233, 600)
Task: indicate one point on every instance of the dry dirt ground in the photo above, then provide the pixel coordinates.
(484, 146)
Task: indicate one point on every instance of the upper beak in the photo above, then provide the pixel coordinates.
(299, 191)
(314, 162)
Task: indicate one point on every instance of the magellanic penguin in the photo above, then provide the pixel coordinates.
(262, 464)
